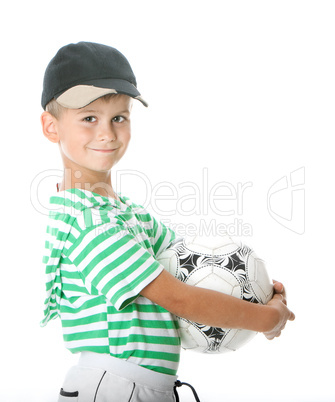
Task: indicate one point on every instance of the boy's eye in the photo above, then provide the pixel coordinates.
(90, 119)
(118, 119)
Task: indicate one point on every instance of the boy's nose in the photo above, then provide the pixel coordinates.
(107, 133)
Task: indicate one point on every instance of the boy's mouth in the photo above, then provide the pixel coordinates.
(103, 150)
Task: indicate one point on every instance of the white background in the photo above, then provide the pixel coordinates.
(242, 90)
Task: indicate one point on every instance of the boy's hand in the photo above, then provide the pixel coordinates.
(279, 303)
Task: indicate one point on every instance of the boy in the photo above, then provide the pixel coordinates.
(115, 301)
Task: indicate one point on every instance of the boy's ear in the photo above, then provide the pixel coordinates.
(49, 127)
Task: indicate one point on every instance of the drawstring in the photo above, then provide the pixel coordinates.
(179, 384)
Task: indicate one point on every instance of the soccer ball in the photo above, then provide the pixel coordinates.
(222, 264)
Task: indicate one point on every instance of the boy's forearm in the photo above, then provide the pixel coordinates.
(220, 310)
(209, 307)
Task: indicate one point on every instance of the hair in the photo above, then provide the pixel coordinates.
(54, 108)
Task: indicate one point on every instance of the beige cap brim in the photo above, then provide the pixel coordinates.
(82, 95)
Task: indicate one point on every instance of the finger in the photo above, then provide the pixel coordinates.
(284, 300)
(269, 337)
(278, 286)
(278, 296)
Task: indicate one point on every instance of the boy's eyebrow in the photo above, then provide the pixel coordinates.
(96, 111)
(86, 111)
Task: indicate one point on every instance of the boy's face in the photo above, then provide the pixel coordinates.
(94, 138)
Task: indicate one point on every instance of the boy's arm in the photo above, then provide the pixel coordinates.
(218, 309)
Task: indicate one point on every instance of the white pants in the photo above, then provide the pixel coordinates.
(103, 378)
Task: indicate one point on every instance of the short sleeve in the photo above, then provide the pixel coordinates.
(162, 237)
(111, 262)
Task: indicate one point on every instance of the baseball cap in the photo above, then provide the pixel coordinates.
(82, 72)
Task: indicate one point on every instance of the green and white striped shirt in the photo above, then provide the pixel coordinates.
(100, 254)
